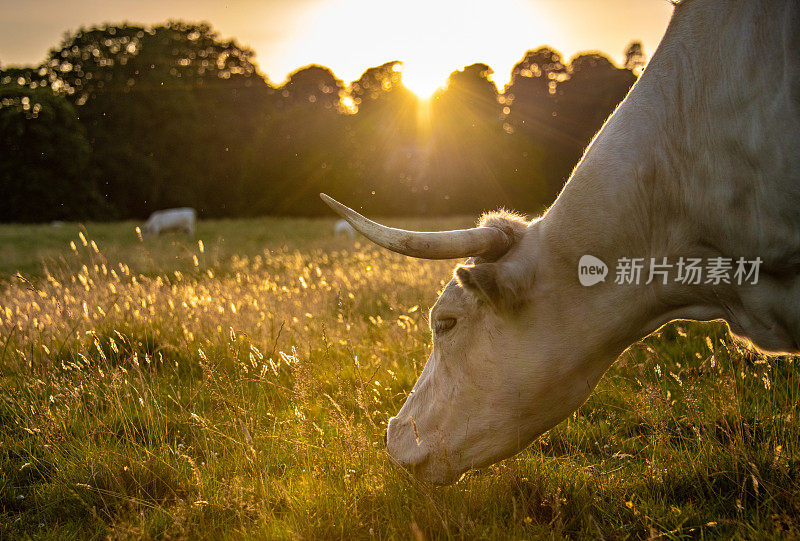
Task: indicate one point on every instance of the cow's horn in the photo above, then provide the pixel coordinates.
(489, 242)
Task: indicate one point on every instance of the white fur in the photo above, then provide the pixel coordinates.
(181, 219)
(702, 159)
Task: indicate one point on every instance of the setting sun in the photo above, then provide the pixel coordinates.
(432, 39)
(422, 81)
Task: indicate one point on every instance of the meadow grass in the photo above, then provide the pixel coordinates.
(239, 387)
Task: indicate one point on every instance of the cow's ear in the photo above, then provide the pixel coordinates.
(495, 283)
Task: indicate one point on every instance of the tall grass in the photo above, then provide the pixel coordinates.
(240, 387)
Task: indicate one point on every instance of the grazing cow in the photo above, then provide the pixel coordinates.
(180, 219)
(343, 228)
(701, 161)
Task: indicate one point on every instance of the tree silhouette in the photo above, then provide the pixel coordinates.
(529, 95)
(173, 115)
(389, 146)
(119, 58)
(467, 138)
(302, 147)
(595, 86)
(535, 76)
(45, 169)
(166, 110)
(634, 57)
(315, 85)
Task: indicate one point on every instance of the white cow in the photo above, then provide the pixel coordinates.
(180, 219)
(343, 228)
(701, 160)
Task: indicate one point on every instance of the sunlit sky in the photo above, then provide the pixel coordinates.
(432, 37)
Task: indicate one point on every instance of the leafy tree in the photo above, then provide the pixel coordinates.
(174, 115)
(315, 85)
(594, 88)
(301, 148)
(117, 59)
(468, 142)
(45, 170)
(635, 58)
(558, 107)
(389, 146)
(378, 86)
(470, 92)
(530, 116)
(167, 109)
(530, 95)
(533, 82)
(25, 76)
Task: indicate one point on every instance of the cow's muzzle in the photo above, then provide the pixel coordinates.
(407, 448)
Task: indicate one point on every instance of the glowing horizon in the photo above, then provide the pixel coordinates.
(423, 83)
(432, 38)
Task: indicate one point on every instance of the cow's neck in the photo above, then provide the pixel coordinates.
(610, 220)
(661, 179)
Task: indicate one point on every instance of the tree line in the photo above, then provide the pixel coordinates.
(122, 120)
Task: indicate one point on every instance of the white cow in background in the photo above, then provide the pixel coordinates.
(343, 228)
(701, 161)
(180, 219)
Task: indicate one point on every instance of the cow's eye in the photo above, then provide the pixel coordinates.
(444, 324)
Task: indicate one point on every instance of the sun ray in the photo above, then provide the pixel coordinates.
(432, 39)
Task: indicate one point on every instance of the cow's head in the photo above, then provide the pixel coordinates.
(505, 365)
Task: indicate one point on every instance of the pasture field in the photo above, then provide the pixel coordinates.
(239, 387)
